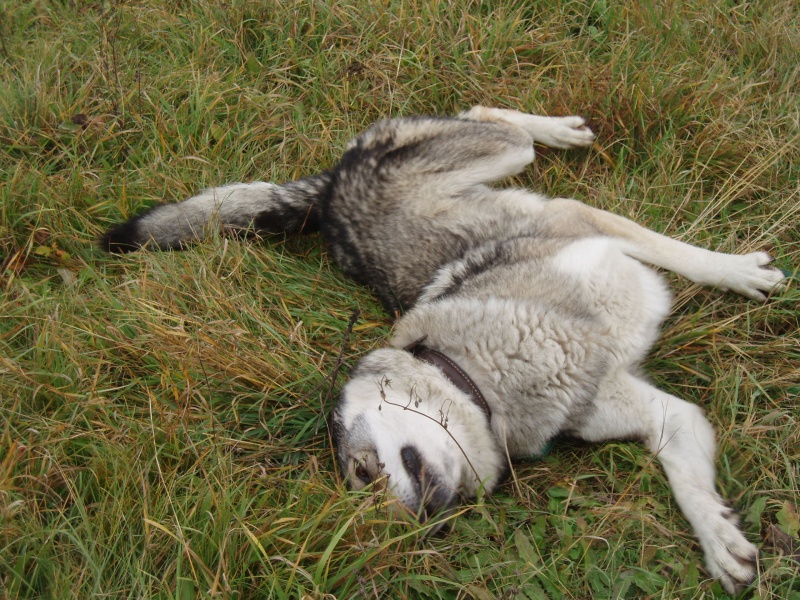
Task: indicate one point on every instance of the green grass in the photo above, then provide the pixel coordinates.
(162, 416)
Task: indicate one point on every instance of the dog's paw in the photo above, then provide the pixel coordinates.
(564, 132)
(752, 275)
(729, 556)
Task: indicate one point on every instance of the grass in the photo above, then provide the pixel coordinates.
(162, 416)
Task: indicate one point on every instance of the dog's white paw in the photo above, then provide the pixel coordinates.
(729, 556)
(564, 132)
(751, 275)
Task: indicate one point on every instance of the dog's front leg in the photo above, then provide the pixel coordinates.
(683, 440)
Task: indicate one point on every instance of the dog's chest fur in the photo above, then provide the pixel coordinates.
(538, 340)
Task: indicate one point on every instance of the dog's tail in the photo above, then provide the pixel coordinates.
(241, 208)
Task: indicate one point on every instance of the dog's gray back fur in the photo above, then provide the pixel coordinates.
(401, 207)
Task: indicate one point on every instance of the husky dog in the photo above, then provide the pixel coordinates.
(523, 318)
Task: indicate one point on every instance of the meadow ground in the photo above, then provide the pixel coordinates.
(163, 416)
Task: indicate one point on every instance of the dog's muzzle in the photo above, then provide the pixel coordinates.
(434, 498)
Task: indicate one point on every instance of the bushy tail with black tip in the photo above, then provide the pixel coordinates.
(240, 208)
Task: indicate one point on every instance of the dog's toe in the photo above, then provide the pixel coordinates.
(730, 558)
(565, 132)
(754, 276)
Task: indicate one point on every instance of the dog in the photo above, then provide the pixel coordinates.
(522, 318)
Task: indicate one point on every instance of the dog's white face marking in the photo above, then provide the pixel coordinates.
(402, 427)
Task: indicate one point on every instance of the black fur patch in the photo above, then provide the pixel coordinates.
(122, 238)
(283, 219)
(296, 206)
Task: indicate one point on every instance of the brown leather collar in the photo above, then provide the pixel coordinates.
(451, 371)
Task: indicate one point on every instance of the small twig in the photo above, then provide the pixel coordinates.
(334, 374)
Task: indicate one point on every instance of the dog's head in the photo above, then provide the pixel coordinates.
(400, 425)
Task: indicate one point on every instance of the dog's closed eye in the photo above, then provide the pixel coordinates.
(363, 474)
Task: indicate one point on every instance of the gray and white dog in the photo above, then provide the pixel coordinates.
(523, 318)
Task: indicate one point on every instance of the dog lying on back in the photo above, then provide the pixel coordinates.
(524, 318)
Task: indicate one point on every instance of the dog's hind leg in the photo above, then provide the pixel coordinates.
(683, 439)
(555, 132)
(748, 274)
